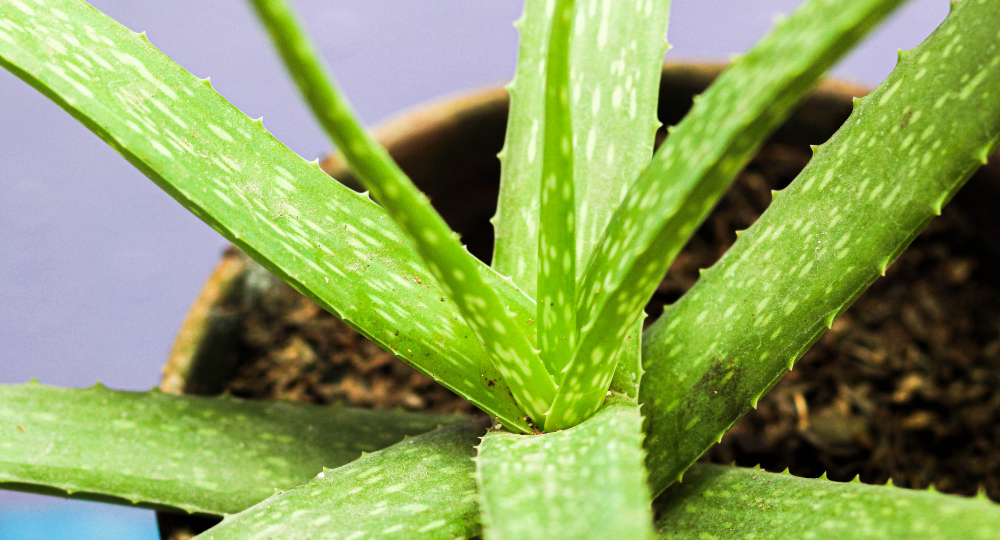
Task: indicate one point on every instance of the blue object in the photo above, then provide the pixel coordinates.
(75, 520)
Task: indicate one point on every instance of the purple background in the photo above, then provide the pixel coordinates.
(98, 266)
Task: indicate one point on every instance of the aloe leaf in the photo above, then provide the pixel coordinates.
(613, 115)
(905, 150)
(587, 482)
(204, 455)
(419, 489)
(337, 247)
(722, 503)
(688, 174)
(613, 119)
(455, 268)
(557, 216)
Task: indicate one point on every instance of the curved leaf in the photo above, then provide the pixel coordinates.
(419, 489)
(906, 149)
(204, 455)
(727, 503)
(506, 343)
(697, 162)
(335, 246)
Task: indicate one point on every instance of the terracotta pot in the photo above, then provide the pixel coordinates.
(449, 149)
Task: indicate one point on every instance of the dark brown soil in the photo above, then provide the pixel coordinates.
(291, 349)
(906, 385)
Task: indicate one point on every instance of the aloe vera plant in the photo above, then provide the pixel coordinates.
(594, 418)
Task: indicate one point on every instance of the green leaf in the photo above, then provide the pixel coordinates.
(613, 120)
(419, 489)
(508, 346)
(613, 115)
(690, 172)
(723, 503)
(905, 150)
(628, 367)
(557, 216)
(204, 455)
(337, 247)
(587, 482)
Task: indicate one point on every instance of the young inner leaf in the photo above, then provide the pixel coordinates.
(613, 125)
(453, 266)
(689, 173)
(557, 218)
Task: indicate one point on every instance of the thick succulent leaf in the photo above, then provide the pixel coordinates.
(419, 489)
(204, 455)
(692, 169)
(333, 245)
(628, 367)
(863, 197)
(585, 482)
(727, 503)
(453, 266)
(614, 122)
(557, 213)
